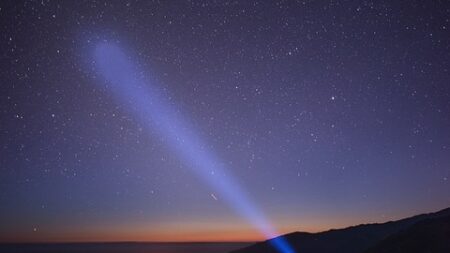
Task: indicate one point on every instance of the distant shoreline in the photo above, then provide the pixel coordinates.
(123, 247)
(132, 242)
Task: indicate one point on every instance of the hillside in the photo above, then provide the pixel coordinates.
(360, 238)
(430, 235)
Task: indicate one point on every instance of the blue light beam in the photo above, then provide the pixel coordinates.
(148, 104)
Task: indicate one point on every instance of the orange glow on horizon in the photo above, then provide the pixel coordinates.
(173, 231)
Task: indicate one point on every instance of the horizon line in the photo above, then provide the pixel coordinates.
(125, 242)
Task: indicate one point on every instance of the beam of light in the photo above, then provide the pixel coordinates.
(155, 112)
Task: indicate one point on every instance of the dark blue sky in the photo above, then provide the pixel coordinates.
(327, 114)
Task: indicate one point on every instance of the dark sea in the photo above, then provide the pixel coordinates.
(122, 247)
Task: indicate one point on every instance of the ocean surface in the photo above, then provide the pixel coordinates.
(122, 247)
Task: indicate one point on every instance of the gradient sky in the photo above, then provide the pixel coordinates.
(327, 114)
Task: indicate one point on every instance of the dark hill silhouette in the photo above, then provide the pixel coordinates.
(356, 239)
(430, 235)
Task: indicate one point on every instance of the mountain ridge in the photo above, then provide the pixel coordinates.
(352, 239)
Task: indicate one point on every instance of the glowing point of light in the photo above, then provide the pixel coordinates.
(143, 99)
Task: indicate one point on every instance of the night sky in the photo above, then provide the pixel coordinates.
(326, 113)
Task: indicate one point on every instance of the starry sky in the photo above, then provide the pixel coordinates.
(327, 114)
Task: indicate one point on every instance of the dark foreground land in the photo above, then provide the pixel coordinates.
(426, 233)
(122, 248)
